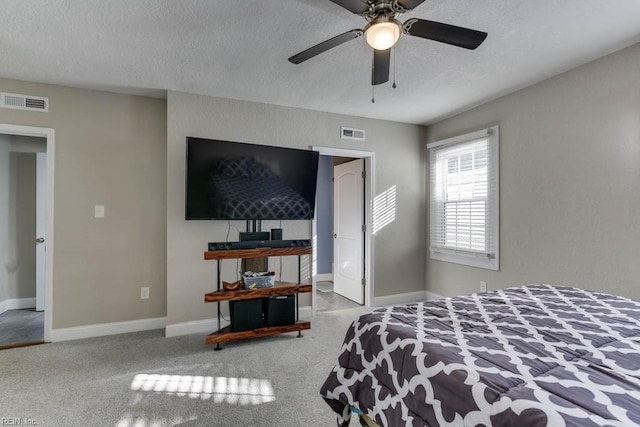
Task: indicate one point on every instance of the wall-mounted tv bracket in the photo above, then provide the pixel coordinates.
(254, 225)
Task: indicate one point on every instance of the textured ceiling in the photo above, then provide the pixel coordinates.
(239, 49)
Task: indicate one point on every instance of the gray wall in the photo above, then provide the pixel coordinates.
(324, 215)
(17, 215)
(21, 268)
(569, 181)
(5, 175)
(110, 149)
(399, 248)
(28, 144)
(22, 215)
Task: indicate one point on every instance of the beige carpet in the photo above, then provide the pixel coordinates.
(144, 379)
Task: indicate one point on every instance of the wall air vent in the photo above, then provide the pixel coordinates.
(24, 102)
(350, 133)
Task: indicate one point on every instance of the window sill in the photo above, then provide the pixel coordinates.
(471, 261)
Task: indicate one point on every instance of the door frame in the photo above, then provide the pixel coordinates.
(369, 185)
(49, 134)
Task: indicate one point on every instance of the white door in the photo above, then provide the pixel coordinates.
(41, 232)
(348, 237)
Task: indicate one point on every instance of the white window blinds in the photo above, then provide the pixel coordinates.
(464, 199)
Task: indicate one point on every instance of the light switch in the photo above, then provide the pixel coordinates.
(99, 211)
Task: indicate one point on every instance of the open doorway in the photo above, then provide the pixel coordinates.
(25, 218)
(342, 253)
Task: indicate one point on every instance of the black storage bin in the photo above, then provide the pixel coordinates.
(280, 311)
(246, 315)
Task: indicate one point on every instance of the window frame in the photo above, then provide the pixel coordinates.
(491, 259)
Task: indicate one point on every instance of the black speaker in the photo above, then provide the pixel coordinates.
(276, 234)
(246, 314)
(226, 246)
(251, 236)
(280, 311)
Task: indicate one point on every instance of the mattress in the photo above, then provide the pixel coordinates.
(536, 355)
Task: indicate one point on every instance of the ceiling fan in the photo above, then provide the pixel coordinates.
(384, 30)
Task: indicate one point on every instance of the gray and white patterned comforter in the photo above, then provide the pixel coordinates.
(534, 355)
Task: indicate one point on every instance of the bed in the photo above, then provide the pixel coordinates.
(536, 355)
(245, 188)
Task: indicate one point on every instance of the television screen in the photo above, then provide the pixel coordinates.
(233, 180)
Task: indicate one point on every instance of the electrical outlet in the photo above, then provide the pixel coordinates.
(99, 211)
(144, 293)
(483, 286)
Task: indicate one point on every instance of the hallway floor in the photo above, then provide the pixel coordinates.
(327, 300)
(21, 326)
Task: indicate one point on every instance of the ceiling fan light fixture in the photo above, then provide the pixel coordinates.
(381, 35)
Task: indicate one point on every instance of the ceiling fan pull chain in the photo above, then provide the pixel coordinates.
(373, 83)
(393, 53)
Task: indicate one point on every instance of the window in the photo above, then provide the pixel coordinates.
(464, 199)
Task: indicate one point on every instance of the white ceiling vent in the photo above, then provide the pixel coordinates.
(350, 133)
(24, 102)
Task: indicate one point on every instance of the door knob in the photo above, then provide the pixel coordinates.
(40, 240)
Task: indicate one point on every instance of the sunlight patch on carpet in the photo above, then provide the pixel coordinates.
(130, 420)
(233, 391)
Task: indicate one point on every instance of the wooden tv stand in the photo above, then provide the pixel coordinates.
(280, 289)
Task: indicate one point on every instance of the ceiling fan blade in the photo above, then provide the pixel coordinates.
(410, 4)
(381, 61)
(355, 6)
(325, 46)
(445, 33)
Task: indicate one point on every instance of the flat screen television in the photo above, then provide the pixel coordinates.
(239, 181)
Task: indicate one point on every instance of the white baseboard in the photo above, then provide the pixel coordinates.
(400, 298)
(406, 298)
(17, 304)
(209, 325)
(433, 295)
(195, 327)
(324, 277)
(102, 329)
